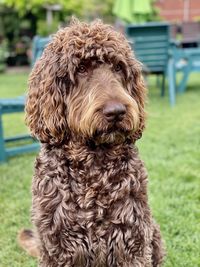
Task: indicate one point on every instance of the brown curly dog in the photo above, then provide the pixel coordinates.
(86, 106)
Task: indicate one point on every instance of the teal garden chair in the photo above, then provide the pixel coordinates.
(14, 105)
(151, 44)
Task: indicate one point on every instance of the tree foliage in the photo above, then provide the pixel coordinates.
(80, 8)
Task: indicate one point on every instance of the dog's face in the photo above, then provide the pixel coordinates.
(87, 84)
(101, 106)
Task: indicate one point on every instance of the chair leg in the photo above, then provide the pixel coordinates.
(172, 83)
(183, 83)
(2, 143)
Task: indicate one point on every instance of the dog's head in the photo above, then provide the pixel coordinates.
(87, 83)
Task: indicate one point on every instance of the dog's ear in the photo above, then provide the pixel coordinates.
(46, 107)
(138, 91)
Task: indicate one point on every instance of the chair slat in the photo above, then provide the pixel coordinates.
(150, 43)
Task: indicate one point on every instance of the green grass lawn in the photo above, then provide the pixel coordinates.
(170, 148)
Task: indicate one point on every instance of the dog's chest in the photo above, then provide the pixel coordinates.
(104, 203)
(95, 206)
(88, 191)
(102, 194)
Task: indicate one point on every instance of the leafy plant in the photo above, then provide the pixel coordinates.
(43, 29)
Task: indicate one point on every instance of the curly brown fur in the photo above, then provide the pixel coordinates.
(90, 205)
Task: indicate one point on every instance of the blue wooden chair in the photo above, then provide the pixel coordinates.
(151, 44)
(186, 61)
(8, 106)
(13, 105)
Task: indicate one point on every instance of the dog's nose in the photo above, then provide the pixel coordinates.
(114, 111)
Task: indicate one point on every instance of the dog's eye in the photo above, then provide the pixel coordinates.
(118, 67)
(82, 69)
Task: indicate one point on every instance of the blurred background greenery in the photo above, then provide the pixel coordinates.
(21, 20)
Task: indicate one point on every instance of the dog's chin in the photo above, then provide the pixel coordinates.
(111, 137)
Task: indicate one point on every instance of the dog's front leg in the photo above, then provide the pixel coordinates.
(158, 252)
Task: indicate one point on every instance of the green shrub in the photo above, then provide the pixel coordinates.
(44, 30)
